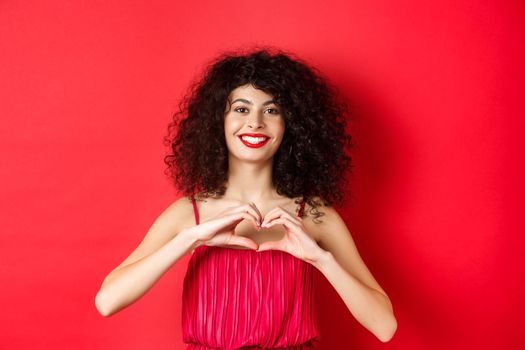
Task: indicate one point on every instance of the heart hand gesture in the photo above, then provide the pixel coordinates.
(295, 240)
(220, 229)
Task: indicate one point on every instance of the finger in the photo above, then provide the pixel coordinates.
(243, 241)
(239, 216)
(279, 213)
(273, 245)
(291, 216)
(250, 207)
(258, 212)
(270, 213)
(285, 213)
(283, 221)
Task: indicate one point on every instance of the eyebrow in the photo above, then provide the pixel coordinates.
(251, 103)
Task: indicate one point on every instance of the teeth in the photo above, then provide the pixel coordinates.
(254, 140)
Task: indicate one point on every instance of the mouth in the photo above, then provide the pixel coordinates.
(254, 140)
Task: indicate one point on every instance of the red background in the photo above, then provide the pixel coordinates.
(88, 89)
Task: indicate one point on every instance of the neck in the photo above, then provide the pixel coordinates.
(250, 182)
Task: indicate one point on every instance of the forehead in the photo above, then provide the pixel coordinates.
(250, 91)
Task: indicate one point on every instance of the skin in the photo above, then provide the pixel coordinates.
(266, 221)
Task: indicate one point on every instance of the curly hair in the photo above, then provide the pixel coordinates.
(313, 158)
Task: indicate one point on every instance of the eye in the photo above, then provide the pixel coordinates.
(243, 110)
(237, 109)
(275, 111)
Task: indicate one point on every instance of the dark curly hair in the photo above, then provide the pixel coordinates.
(313, 157)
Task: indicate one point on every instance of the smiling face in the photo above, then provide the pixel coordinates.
(251, 112)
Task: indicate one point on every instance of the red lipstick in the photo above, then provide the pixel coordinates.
(255, 144)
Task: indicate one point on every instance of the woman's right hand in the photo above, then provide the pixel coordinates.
(220, 229)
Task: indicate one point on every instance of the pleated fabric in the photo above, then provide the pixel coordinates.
(243, 299)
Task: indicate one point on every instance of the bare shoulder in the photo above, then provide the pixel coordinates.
(180, 213)
(318, 219)
(177, 216)
(333, 235)
(325, 224)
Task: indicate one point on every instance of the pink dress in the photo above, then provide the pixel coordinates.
(243, 299)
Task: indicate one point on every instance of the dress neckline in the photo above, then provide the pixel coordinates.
(231, 248)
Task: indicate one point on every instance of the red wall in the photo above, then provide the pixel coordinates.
(88, 88)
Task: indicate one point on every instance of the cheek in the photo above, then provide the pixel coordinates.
(231, 126)
(279, 128)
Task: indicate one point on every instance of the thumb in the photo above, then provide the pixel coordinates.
(242, 241)
(267, 246)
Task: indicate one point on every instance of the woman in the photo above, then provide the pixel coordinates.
(260, 155)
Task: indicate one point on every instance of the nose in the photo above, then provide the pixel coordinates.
(256, 122)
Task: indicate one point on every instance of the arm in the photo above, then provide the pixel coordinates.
(164, 244)
(341, 264)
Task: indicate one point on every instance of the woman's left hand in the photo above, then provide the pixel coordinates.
(295, 240)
